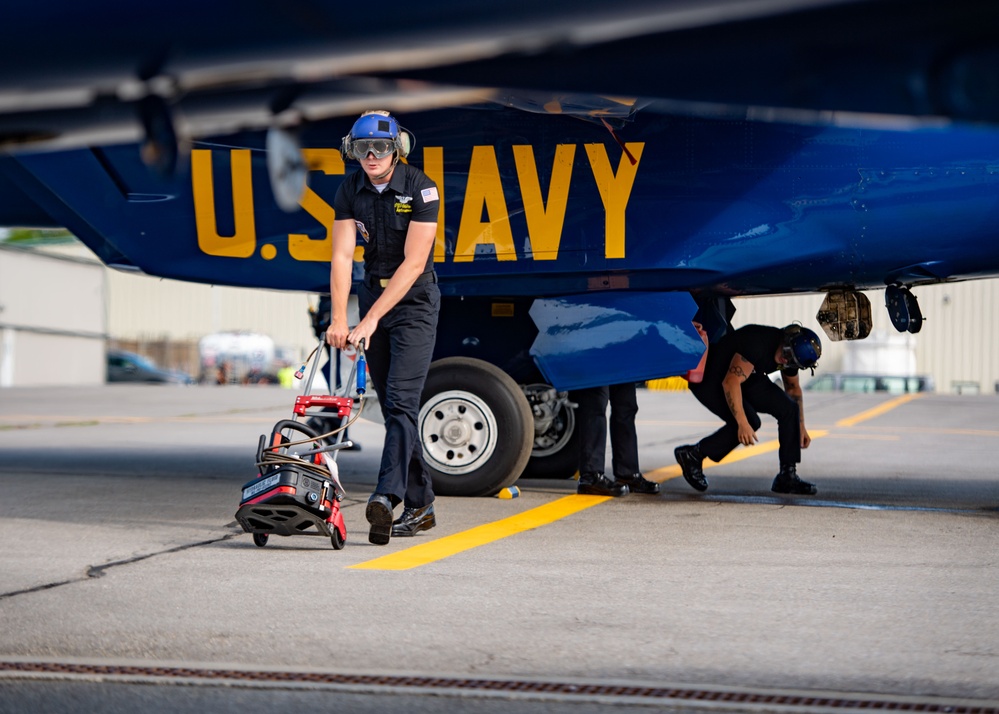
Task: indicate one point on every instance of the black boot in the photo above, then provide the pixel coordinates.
(414, 520)
(787, 481)
(379, 515)
(637, 483)
(600, 485)
(689, 457)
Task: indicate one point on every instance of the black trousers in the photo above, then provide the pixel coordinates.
(591, 420)
(398, 358)
(759, 395)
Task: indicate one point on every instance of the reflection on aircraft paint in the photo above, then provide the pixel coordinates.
(483, 196)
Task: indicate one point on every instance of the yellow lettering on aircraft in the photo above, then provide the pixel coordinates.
(243, 242)
(615, 190)
(544, 219)
(485, 218)
(484, 189)
(300, 246)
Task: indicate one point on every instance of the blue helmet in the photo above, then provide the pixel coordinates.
(376, 133)
(801, 347)
(375, 126)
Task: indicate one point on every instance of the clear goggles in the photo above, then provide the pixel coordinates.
(360, 148)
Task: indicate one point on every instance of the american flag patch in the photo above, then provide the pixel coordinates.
(430, 194)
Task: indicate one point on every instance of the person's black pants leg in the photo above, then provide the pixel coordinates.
(758, 396)
(398, 357)
(591, 421)
(623, 435)
(771, 399)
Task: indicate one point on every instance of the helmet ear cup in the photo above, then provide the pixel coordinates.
(405, 142)
(787, 348)
(345, 147)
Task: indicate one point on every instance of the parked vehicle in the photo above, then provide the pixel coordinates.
(237, 358)
(130, 367)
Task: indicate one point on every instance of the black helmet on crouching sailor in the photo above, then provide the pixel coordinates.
(802, 347)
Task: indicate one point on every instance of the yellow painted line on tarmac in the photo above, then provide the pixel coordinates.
(878, 410)
(481, 535)
(990, 433)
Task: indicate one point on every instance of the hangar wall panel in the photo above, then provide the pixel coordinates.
(52, 319)
(143, 307)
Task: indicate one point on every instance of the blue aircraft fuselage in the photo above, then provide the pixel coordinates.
(541, 206)
(545, 205)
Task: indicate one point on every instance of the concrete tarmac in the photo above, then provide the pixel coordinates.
(124, 573)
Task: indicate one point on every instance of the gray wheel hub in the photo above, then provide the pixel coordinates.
(458, 431)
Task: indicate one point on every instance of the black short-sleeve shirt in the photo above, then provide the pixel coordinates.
(383, 218)
(757, 344)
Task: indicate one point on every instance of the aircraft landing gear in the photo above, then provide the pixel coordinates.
(556, 438)
(903, 309)
(476, 426)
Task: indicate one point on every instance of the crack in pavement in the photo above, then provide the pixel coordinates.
(98, 571)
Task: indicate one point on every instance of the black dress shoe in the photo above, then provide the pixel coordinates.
(414, 520)
(689, 457)
(600, 485)
(637, 483)
(379, 515)
(787, 481)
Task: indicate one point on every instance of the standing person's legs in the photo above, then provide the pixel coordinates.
(623, 435)
(414, 332)
(418, 346)
(378, 353)
(624, 439)
(398, 358)
(591, 421)
(413, 325)
(390, 488)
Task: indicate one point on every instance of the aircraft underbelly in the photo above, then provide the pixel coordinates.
(614, 337)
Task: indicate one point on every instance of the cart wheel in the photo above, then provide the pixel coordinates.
(260, 539)
(337, 539)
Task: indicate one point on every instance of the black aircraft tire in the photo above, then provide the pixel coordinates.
(563, 464)
(476, 426)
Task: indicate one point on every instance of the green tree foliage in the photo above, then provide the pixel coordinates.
(35, 236)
